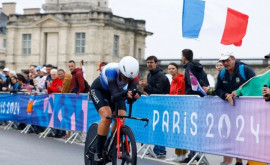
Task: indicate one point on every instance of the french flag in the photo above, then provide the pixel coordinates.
(208, 18)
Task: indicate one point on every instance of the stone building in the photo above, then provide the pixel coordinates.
(71, 30)
(3, 40)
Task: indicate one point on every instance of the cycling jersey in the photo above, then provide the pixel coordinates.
(108, 85)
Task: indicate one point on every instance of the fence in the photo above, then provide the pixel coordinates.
(208, 124)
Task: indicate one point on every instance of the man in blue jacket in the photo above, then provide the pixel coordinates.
(230, 78)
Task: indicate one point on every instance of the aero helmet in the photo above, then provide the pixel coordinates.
(129, 67)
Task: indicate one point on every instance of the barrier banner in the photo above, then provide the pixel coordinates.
(62, 111)
(73, 112)
(207, 124)
(12, 106)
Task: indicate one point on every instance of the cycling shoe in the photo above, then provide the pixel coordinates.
(97, 159)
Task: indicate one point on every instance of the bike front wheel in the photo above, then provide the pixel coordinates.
(90, 145)
(128, 149)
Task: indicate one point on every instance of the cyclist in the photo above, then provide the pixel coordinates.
(116, 82)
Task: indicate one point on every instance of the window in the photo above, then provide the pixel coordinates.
(116, 45)
(4, 43)
(80, 43)
(26, 44)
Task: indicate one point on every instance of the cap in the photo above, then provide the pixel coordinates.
(43, 70)
(267, 56)
(101, 64)
(38, 68)
(6, 70)
(226, 55)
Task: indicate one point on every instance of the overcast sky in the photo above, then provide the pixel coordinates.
(163, 18)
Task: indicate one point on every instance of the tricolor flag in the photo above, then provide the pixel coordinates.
(214, 17)
(195, 85)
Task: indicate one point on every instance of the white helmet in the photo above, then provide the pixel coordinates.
(129, 67)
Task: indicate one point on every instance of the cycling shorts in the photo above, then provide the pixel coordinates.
(102, 97)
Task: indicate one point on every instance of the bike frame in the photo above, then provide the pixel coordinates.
(120, 123)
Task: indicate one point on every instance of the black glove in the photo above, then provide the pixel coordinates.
(130, 101)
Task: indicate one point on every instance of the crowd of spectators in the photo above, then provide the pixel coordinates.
(44, 79)
(231, 75)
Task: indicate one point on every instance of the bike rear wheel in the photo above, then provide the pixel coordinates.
(128, 149)
(90, 145)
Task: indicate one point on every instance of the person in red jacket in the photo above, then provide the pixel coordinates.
(178, 80)
(56, 83)
(177, 88)
(77, 80)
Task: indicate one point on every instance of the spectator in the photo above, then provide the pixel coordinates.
(12, 73)
(40, 80)
(228, 80)
(32, 70)
(177, 88)
(219, 66)
(211, 91)
(23, 85)
(26, 76)
(77, 80)
(49, 77)
(32, 74)
(14, 87)
(54, 87)
(197, 69)
(266, 93)
(2, 83)
(56, 83)
(156, 83)
(8, 81)
(66, 78)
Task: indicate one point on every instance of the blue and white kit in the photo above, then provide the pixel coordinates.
(109, 84)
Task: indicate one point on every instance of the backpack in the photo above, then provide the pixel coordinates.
(86, 87)
(241, 70)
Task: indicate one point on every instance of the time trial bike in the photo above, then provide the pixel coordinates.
(120, 147)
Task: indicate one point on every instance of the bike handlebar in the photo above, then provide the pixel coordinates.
(130, 112)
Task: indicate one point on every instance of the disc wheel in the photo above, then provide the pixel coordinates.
(90, 145)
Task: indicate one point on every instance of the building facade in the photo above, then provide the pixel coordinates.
(72, 30)
(3, 40)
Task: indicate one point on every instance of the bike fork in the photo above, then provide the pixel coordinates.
(120, 123)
